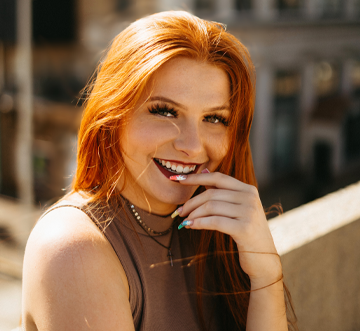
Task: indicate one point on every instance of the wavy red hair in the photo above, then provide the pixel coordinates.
(134, 56)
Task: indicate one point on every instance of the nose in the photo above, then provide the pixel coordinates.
(188, 140)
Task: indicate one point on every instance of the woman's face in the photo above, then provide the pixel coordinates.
(179, 126)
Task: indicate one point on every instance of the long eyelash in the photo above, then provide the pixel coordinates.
(158, 109)
(164, 108)
(221, 119)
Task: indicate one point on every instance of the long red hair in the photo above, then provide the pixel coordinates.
(134, 56)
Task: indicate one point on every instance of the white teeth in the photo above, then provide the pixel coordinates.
(179, 168)
(176, 168)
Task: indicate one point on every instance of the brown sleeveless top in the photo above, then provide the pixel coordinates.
(162, 297)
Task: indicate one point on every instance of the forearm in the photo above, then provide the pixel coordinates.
(267, 309)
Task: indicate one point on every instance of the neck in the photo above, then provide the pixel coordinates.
(148, 204)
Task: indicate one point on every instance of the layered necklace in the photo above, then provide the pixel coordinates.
(152, 233)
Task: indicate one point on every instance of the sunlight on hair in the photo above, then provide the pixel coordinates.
(147, 201)
(147, 166)
(201, 257)
(176, 126)
(114, 185)
(87, 323)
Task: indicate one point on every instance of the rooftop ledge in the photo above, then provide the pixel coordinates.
(309, 222)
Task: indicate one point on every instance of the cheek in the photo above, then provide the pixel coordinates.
(217, 147)
(144, 137)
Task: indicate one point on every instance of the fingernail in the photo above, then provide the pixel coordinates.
(185, 223)
(176, 212)
(178, 177)
(205, 171)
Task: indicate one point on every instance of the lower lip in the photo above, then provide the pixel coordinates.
(167, 173)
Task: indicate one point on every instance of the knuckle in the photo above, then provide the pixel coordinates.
(254, 200)
(209, 206)
(210, 193)
(217, 176)
(213, 221)
(254, 191)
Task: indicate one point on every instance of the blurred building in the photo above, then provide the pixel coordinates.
(306, 132)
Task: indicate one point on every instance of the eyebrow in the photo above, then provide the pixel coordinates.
(163, 99)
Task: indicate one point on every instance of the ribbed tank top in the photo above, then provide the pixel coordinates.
(162, 297)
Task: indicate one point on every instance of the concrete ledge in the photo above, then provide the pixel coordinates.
(319, 245)
(304, 224)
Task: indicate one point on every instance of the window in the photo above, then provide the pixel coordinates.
(7, 20)
(122, 5)
(332, 8)
(323, 154)
(53, 21)
(288, 4)
(355, 78)
(207, 5)
(242, 4)
(352, 136)
(289, 8)
(352, 124)
(285, 122)
(327, 78)
(357, 7)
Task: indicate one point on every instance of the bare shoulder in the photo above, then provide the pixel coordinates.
(63, 227)
(72, 278)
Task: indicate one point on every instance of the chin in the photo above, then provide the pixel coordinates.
(176, 197)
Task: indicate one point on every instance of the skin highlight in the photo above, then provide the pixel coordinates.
(188, 138)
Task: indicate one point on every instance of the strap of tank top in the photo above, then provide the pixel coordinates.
(57, 206)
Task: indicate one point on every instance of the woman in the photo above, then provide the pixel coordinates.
(165, 132)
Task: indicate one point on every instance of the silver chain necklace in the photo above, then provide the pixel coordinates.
(148, 230)
(145, 227)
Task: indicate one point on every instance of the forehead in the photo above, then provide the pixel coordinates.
(188, 80)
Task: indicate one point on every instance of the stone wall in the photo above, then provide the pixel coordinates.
(319, 244)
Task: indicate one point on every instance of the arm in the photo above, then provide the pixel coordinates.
(234, 208)
(72, 278)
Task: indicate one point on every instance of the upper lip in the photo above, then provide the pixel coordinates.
(176, 161)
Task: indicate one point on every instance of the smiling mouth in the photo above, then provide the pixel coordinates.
(169, 169)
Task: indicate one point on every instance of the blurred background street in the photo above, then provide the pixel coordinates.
(305, 136)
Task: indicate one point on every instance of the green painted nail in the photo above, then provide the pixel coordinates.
(185, 223)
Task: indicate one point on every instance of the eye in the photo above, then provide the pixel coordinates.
(163, 110)
(216, 119)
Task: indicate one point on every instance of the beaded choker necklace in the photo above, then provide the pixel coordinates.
(150, 231)
(145, 227)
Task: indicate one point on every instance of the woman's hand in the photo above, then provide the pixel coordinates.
(233, 207)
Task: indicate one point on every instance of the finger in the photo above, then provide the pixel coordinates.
(217, 208)
(214, 179)
(217, 223)
(234, 197)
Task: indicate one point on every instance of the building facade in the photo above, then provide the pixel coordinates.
(306, 132)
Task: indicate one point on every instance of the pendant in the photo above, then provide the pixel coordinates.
(170, 258)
